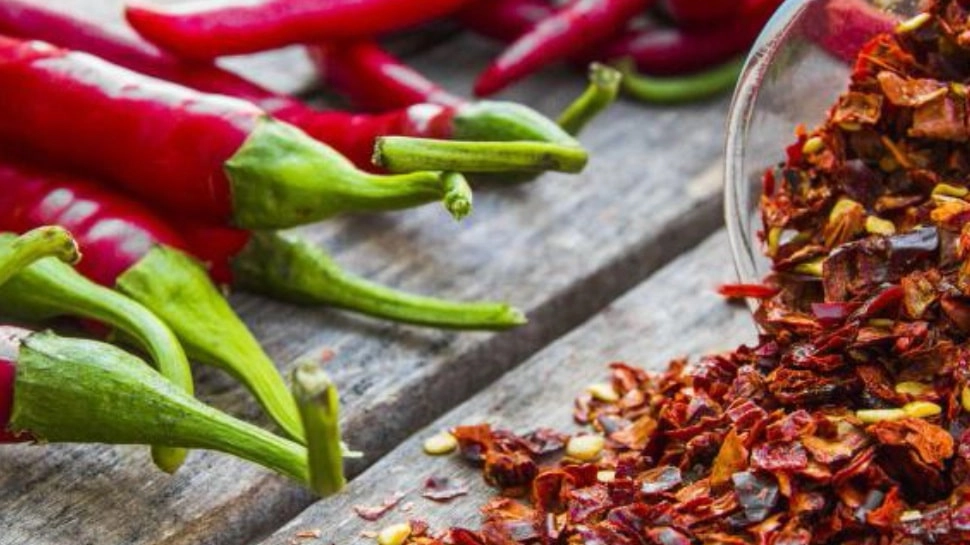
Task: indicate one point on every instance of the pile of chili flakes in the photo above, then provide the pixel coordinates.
(848, 422)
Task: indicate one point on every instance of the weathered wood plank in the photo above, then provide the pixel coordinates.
(561, 249)
(674, 313)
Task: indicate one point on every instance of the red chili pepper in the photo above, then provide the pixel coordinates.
(9, 341)
(844, 26)
(353, 135)
(116, 234)
(699, 13)
(668, 50)
(208, 157)
(206, 30)
(572, 29)
(373, 79)
(504, 20)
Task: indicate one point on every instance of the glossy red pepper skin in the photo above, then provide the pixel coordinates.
(9, 348)
(114, 233)
(374, 80)
(699, 13)
(844, 26)
(163, 142)
(673, 51)
(351, 134)
(209, 29)
(504, 20)
(575, 27)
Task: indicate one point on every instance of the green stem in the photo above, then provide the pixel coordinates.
(79, 391)
(21, 252)
(178, 290)
(407, 154)
(672, 90)
(319, 404)
(458, 195)
(50, 288)
(290, 269)
(604, 84)
(281, 178)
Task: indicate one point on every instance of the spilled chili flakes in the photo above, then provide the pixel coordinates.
(849, 421)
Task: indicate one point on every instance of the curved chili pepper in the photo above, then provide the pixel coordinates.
(673, 51)
(207, 29)
(504, 20)
(679, 89)
(50, 288)
(207, 157)
(62, 390)
(264, 262)
(373, 79)
(570, 30)
(695, 14)
(351, 134)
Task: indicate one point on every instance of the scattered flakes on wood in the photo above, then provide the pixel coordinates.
(372, 513)
(368, 534)
(407, 507)
(308, 534)
(443, 489)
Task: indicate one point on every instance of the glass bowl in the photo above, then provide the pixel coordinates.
(794, 73)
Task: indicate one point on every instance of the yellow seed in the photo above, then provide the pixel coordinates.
(878, 226)
(585, 448)
(605, 476)
(442, 443)
(950, 190)
(814, 144)
(910, 516)
(912, 388)
(603, 392)
(850, 126)
(883, 323)
(921, 409)
(811, 268)
(871, 416)
(958, 88)
(965, 398)
(913, 23)
(774, 239)
(843, 206)
(395, 534)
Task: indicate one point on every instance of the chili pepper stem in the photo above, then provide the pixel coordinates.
(49, 288)
(492, 120)
(406, 154)
(309, 181)
(34, 245)
(177, 289)
(290, 269)
(678, 89)
(79, 391)
(604, 84)
(319, 404)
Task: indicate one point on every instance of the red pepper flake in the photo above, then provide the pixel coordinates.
(443, 489)
(740, 291)
(372, 513)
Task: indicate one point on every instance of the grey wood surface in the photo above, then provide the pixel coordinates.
(561, 248)
(674, 313)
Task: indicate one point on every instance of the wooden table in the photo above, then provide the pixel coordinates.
(618, 263)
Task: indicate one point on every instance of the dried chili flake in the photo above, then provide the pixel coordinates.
(375, 512)
(443, 489)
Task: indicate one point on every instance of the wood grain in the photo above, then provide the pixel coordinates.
(674, 313)
(561, 248)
